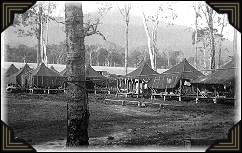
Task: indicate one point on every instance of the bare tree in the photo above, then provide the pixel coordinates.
(209, 16)
(152, 32)
(196, 9)
(125, 12)
(222, 23)
(77, 105)
(32, 22)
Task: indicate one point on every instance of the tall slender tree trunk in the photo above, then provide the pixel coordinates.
(151, 43)
(40, 36)
(220, 43)
(235, 42)
(195, 43)
(212, 43)
(90, 58)
(77, 106)
(219, 54)
(204, 58)
(127, 46)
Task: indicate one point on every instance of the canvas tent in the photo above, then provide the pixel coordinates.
(136, 80)
(16, 78)
(171, 78)
(224, 75)
(143, 71)
(93, 77)
(11, 70)
(44, 77)
(91, 74)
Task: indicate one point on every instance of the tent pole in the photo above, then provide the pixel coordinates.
(138, 87)
(95, 92)
(180, 90)
(197, 95)
(215, 99)
(42, 81)
(165, 93)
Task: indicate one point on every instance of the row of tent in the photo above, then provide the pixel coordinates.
(185, 72)
(44, 76)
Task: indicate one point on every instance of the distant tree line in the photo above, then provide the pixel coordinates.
(108, 54)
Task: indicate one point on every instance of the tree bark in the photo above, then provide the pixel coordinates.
(149, 41)
(77, 106)
(212, 44)
(220, 44)
(127, 47)
(235, 42)
(195, 43)
(40, 36)
(152, 47)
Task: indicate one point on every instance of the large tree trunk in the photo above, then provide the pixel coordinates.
(77, 106)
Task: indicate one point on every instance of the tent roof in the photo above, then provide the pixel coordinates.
(63, 72)
(90, 73)
(12, 78)
(11, 70)
(52, 68)
(186, 70)
(164, 81)
(144, 70)
(43, 70)
(224, 75)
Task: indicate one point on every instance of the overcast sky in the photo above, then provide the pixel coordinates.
(183, 9)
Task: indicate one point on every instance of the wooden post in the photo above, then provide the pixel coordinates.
(37, 81)
(95, 91)
(197, 95)
(180, 90)
(139, 104)
(138, 87)
(42, 81)
(215, 95)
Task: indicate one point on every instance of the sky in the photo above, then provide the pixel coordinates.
(183, 9)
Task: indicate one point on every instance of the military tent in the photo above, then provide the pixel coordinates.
(224, 75)
(11, 70)
(91, 74)
(171, 78)
(16, 78)
(44, 77)
(143, 71)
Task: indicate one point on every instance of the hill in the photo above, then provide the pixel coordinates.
(174, 37)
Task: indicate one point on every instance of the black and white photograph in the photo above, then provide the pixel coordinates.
(121, 76)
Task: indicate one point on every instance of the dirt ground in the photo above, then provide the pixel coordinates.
(42, 118)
